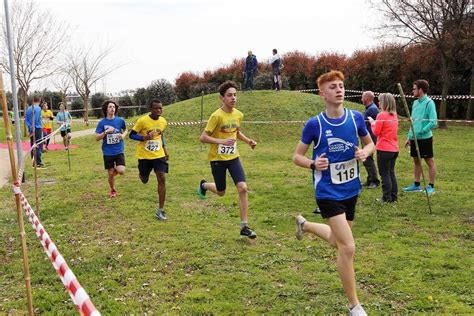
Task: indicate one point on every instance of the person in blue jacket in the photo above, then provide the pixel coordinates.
(250, 69)
(33, 118)
(371, 110)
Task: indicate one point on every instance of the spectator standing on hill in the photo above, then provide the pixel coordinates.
(47, 117)
(277, 66)
(222, 132)
(33, 121)
(371, 110)
(112, 130)
(386, 129)
(425, 119)
(250, 69)
(334, 135)
(152, 153)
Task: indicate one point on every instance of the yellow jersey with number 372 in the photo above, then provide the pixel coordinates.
(224, 125)
(153, 148)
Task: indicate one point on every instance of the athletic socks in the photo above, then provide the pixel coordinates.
(243, 224)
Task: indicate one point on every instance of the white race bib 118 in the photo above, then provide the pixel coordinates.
(153, 145)
(227, 150)
(342, 172)
(113, 139)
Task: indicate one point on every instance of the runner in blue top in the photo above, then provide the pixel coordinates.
(64, 116)
(112, 131)
(335, 137)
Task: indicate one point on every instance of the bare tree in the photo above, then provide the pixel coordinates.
(62, 82)
(38, 38)
(85, 68)
(444, 24)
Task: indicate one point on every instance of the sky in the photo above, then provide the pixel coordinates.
(163, 38)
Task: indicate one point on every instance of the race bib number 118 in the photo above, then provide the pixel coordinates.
(342, 172)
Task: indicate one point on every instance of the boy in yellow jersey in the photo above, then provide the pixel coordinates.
(47, 117)
(222, 131)
(151, 150)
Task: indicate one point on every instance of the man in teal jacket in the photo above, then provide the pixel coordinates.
(424, 120)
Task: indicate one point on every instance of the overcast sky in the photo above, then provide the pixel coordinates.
(163, 38)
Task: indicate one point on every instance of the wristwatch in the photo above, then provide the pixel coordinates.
(313, 165)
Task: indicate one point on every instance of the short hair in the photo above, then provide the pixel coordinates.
(226, 86)
(275, 51)
(422, 84)
(36, 99)
(154, 101)
(368, 94)
(329, 76)
(387, 103)
(106, 104)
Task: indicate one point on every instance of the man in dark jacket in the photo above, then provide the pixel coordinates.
(371, 110)
(250, 69)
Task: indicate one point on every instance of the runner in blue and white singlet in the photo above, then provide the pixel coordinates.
(334, 135)
(337, 138)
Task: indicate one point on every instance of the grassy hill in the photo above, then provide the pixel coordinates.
(407, 261)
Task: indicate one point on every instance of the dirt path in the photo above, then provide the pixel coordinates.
(5, 171)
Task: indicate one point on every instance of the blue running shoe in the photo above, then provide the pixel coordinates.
(430, 190)
(412, 188)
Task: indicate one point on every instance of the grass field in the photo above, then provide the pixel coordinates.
(407, 260)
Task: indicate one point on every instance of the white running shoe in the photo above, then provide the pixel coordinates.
(357, 310)
(299, 227)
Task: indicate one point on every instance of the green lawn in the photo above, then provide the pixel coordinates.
(407, 261)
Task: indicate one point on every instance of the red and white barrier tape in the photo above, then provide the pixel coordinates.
(78, 295)
(434, 97)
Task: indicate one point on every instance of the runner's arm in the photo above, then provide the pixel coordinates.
(300, 159)
(99, 136)
(134, 135)
(124, 133)
(246, 140)
(208, 139)
(367, 150)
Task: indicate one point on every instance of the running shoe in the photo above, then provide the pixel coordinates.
(299, 227)
(412, 188)
(161, 215)
(248, 232)
(200, 191)
(357, 310)
(430, 190)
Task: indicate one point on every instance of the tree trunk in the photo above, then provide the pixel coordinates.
(86, 109)
(445, 75)
(470, 106)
